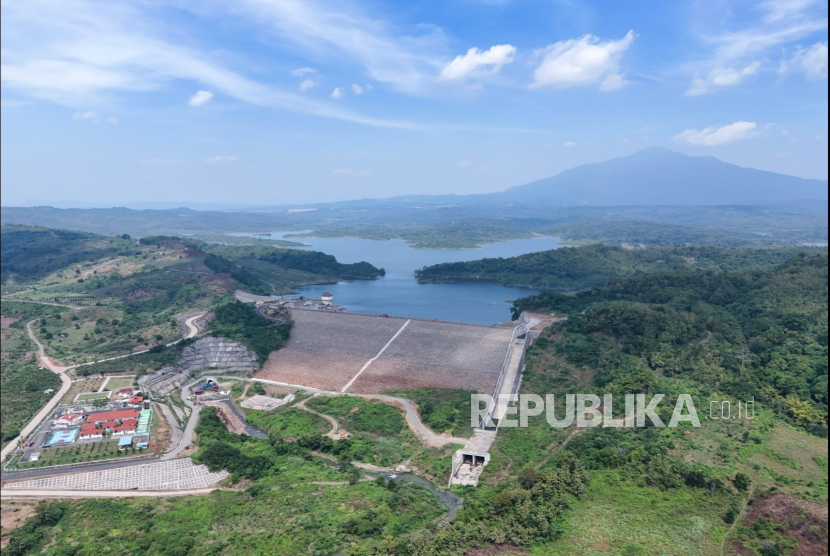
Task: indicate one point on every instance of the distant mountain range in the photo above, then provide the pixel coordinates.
(657, 176)
(652, 176)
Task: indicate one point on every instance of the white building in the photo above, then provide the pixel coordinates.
(326, 298)
(68, 420)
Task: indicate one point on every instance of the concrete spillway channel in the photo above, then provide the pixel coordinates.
(469, 461)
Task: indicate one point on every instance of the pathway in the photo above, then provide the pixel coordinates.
(412, 417)
(734, 523)
(335, 426)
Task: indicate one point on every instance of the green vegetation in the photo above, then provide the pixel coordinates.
(28, 254)
(760, 334)
(23, 386)
(91, 451)
(442, 410)
(156, 358)
(465, 222)
(594, 265)
(379, 432)
(93, 396)
(240, 321)
(288, 422)
(320, 263)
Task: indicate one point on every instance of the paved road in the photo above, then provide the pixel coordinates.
(187, 433)
(192, 330)
(263, 315)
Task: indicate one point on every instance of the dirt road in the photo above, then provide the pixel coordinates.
(413, 420)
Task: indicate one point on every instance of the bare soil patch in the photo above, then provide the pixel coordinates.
(13, 514)
(6, 322)
(806, 521)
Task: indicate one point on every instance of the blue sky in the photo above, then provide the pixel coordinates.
(290, 101)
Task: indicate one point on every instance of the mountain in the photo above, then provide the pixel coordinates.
(657, 176)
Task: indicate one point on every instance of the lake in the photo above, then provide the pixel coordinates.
(399, 293)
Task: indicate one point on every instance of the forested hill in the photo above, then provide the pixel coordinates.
(593, 265)
(758, 334)
(30, 253)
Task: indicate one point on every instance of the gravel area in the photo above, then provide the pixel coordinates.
(329, 371)
(386, 374)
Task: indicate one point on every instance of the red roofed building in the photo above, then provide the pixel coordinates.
(125, 392)
(135, 400)
(88, 430)
(113, 415)
(109, 424)
(123, 429)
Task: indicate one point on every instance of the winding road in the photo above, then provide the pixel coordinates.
(413, 420)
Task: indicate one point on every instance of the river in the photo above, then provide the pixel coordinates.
(399, 293)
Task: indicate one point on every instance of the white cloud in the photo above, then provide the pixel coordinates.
(337, 93)
(74, 53)
(405, 59)
(739, 34)
(357, 89)
(222, 158)
(569, 144)
(462, 163)
(351, 172)
(200, 98)
(721, 77)
(307, 84)
(584, 61)
(300, 72)
(94, 117)
(478, 62)
(716, 136)
(810, 61)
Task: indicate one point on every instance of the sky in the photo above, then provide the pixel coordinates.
(297, 101)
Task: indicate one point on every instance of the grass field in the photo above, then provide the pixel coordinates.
(91, 384)
(288, 422)
(116, 384)
(617, 517)
(89, 396)
(91, 451)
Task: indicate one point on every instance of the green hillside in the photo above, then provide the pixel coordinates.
(593, 265)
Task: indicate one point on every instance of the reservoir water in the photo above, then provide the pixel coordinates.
(399, 293)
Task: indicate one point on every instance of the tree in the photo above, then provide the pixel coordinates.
(742, 482)
(744, 355)
(527, 478)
